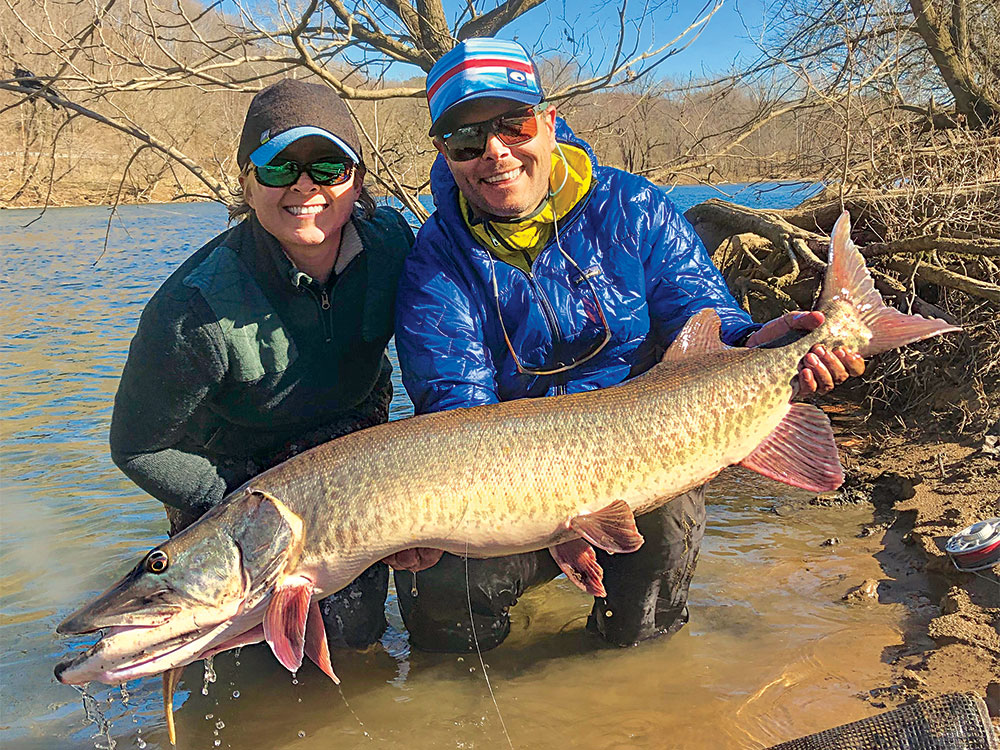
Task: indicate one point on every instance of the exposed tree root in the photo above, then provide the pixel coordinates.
(773, 264)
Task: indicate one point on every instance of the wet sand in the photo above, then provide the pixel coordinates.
(926, 487)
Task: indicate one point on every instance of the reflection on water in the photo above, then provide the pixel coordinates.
(770, 653)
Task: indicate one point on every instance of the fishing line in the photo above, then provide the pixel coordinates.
(340, 689)
(475, 639)
(468, 585)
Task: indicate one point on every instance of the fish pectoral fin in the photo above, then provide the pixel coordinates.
(576, 558)
(285, 620)
(800, 451)
(317, 648)
(170, 679)
(611, 528)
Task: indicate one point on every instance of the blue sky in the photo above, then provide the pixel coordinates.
(727, 36)
(725, 39)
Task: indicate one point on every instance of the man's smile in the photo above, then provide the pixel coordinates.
(507, 176)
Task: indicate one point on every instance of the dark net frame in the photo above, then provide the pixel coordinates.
(957, 721)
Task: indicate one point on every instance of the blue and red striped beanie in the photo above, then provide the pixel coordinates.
(481, 68)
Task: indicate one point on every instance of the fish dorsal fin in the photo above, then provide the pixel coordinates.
(285, 620)
(700, 335)
(611, 528)
(800, 452)
(317, 649)
(577, 559)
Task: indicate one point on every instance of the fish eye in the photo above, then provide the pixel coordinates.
(156, 561)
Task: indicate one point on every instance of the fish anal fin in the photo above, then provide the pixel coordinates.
(317, 648)
(800, 451)
(576, 558)
(285, 620)
(699, 336)
(170, 679)
(612, 528)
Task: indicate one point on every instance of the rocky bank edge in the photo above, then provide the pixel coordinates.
(926, 487)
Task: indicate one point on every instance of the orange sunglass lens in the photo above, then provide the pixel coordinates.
(517, 129)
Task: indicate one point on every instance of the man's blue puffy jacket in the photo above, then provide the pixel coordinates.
(648, 268)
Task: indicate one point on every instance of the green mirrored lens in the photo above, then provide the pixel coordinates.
(327, 172)
(278, 174)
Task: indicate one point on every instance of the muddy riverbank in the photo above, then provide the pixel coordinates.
(925, 486)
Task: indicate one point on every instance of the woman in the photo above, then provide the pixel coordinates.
(271, 338)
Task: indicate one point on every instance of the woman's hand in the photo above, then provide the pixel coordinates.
(413, 560)
(821, 369)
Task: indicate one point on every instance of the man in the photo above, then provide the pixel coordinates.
(540, 273)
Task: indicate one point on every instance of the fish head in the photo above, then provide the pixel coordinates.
(197, 589)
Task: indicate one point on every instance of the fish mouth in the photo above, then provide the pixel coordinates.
(176, 651)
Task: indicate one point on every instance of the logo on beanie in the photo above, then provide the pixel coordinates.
(265, 136)
(517, 77)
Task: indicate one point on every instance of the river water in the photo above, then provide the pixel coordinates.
(770, 652)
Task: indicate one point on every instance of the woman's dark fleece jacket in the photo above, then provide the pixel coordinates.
(241, 360)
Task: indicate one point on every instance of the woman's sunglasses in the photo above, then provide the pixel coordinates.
(469, 141)
(322, 172)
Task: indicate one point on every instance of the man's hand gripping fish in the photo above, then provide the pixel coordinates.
(566, 472)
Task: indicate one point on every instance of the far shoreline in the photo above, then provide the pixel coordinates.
(84, 202)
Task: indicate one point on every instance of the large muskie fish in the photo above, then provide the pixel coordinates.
(565, 472)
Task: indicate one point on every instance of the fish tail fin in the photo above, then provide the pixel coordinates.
(848, 280)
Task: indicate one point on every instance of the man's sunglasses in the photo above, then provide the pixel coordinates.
(322, 172)
(469, 141)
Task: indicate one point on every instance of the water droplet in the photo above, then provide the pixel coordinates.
(95, 716)
(220, 724)
(141, 743)
(295, 681)
(461, 658)
(608, 613)
(209, 717)
(209, 675)
(218, 743)
(236, 693)
(301, 733)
